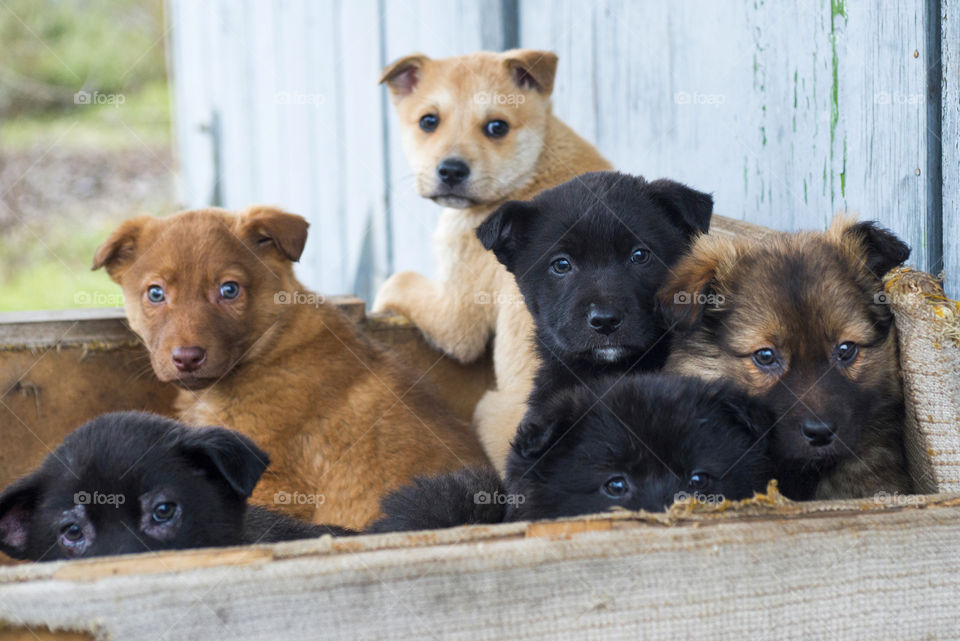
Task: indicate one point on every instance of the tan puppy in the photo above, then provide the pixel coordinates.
(479, 130)
(800, 321)
(214, 298)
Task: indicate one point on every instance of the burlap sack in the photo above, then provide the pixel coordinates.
(928, 331)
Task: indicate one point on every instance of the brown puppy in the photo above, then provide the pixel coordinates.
(478, 131)
(800, 320)
(215, 300)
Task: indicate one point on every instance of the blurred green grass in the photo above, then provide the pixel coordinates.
(143, 118)
(56, 274)
(51, 50)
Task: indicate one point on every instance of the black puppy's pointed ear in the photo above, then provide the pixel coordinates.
(754, 415)
(690, 209)
(504, 231)
(228, 454)
(881, 249)
(532, 439)
(540, 430)
(17, 504)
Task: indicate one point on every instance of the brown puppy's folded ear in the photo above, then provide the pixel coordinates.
(691, 209)
(532, 69)
(120, 249)
(17, 504)
(693, 280)
(228, 454)
(402, 75)
(881, 250)
(265, 226)
(504, 231)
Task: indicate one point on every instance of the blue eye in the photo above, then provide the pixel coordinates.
(640, 256)
(561, 265)
(230, 290)
(616, 487)
(429, 122)
(155, 294)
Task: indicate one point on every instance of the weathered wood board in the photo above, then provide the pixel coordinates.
(820, 571)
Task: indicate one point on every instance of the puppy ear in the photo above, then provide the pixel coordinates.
(690, 209)
(754, 415)
(265, 226)
(504, 231)
(881, 250)
(532, 69)
(228, 454)
(684, 296)
(17, 504)
(120, 249)
(402, 75)
(534, 437)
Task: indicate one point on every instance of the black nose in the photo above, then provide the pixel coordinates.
(604, 321)
(817, 432)
(453, 171)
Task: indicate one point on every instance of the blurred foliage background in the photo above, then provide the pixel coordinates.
(71, 170)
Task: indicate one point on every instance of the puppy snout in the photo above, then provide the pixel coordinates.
(817, 433)
(453, 171)
(604, 320)
(188, 359)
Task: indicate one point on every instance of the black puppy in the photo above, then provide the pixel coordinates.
(134, 482)
(589, 256)
(651, 439)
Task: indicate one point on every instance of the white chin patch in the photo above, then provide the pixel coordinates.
(608, 354)
(455, 202)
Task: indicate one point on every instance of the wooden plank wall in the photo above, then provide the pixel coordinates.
(787, 112)
(950, 138)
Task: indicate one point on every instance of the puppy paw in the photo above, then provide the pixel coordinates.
(396, 293)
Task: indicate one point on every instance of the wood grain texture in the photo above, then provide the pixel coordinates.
(725, 579)
(280, 101)
(787, 112)
(950, 142)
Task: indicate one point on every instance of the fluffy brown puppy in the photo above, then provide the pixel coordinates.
(213, 296)
(800, 320)
(478, 131)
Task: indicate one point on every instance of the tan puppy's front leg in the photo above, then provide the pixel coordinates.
(451, 320)
(500, 411)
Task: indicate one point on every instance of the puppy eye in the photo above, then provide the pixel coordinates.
(230, 290)
(640, 256)
(72, 533)
(698, 480)
(765, 357)
(616, 487)
(847, 352)
(496, 129)
(429, 122)
(561, 265)
(163, 512)
(155, 294)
